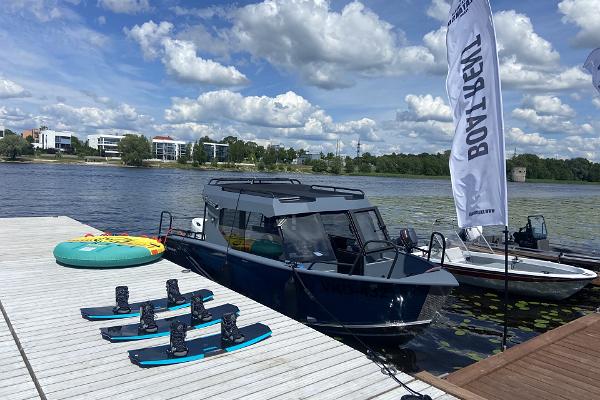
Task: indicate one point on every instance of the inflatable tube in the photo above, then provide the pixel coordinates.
(108, 251)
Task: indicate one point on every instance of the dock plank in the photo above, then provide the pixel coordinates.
(559, 364)
(69, 358)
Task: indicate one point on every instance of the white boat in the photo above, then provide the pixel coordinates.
(526, 276)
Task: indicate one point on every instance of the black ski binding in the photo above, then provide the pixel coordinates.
(147, 323)
(173, 295)
(122, 300)
(199, 313)
(230, 333)
(177, 347)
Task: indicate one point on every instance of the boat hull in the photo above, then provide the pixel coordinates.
(336, 304)
(550, 289)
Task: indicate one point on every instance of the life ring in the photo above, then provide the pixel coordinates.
(108, 251)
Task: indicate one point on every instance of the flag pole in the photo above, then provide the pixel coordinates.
(504, 334)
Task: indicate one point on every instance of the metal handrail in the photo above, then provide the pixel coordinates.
(337, 188)
(364, 252)
(162, 213)
(216, 181)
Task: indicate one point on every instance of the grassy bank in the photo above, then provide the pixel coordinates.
(302, 169)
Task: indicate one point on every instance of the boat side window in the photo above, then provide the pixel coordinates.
(251, 232)
(305, 239)
(370, 228)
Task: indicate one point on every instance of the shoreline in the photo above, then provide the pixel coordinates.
(248, 168)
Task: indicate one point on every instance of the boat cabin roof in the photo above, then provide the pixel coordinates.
(280, 196)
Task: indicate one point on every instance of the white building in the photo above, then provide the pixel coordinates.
(107, 144)
(49, 139)
(216, 151)
(1, 132)
(166, 148)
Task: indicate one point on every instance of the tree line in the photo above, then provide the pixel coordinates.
(135, 149)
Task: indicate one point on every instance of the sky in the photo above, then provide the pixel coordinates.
(303, 73)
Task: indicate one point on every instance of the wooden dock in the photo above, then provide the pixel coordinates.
(50, 352)
(561, 364)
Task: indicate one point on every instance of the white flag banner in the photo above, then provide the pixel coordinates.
(477, 163)
(592, 64)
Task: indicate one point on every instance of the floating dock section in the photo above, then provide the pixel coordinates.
(49, 352)
(561, 364)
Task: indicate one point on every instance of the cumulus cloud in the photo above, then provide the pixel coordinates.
(550, 123)
(439, 9)
(596, 102)
(181, 60)
(549, 105)
(518, 76)
(150, 36)
(426, 107)
(584, 14)
(10, 89)
(287, 115)
(516, 38)
(427, 118)
(325, 47)
(180, 56)
(125, 6)
(284, 110)
(517, 136)
(124, 116)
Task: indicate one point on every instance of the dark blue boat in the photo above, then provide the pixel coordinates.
(319, 254)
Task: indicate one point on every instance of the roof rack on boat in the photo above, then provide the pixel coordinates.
(217, 181)
(338, 189)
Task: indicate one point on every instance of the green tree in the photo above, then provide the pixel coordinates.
(319, 166)
(335, 166)
(82, 149)
(236, 151)
(13, 146)
(349, 165)
(134, 149)
(199, 156)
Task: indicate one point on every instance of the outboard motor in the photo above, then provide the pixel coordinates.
(408, 239)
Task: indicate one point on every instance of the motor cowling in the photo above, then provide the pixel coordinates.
(408, 239)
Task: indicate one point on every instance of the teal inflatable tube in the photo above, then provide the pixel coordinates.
(103, 254)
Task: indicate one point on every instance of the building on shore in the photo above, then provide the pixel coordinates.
(108, 145)
(216, 151)
(34, 134)
(518, 174)
(166, 148)
(2, 132)
(50, 139)
(306, 157)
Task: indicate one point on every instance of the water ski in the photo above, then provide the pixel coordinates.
(179, 351)
(174, 301)
(149, 328)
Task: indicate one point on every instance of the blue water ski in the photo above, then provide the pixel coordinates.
(198, 348)
(107, 312)
(125, 333)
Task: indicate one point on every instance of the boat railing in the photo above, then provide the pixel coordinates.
(217, 181)
(171, 230)
(391, 246)
(339, 190)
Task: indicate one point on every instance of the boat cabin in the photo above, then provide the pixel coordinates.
(318, 227)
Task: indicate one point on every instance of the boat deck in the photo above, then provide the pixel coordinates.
(50, 352)
(561, 364)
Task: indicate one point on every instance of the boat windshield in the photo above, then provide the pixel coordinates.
(305, 239)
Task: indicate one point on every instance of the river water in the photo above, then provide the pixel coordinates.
(469, 328)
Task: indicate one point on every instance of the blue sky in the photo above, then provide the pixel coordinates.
(304, 73)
